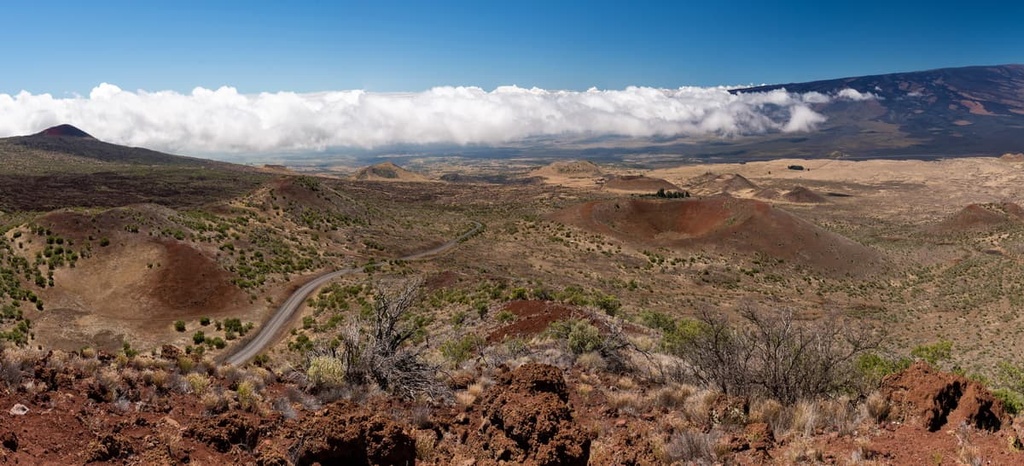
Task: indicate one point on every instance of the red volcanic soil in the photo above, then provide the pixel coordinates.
(982, 216)
(190, 284)
(532, 318)
(639, 183)
(804, 195)
(65, 131)
(726, 224)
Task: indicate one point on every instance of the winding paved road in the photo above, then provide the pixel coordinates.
(265, 336)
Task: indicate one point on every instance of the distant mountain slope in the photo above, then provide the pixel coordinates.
(64, 166)
(976, 110)
(67, 139)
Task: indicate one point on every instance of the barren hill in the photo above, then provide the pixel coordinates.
(387, 171)
(710, 183)
(570, 169)
(982, 216)
(804, 195)
(726, 224)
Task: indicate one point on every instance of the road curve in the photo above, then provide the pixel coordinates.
(266, 333)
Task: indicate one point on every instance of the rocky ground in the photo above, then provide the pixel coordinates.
(173, 409)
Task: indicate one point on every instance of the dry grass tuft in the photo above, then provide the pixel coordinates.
(584, 390)
(625, 383)
(877, 407)
(426, 445)
(464, 398)
(592, 362)
(672, 396)
(629, 402)
(691, 447)
(476, 389)
(214, 402)
(806, 418)
(198, 383)
(248, 395)
(698, 408)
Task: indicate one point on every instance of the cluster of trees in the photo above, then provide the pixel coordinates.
(671, 194)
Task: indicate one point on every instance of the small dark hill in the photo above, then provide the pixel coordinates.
(387, 171)
(710, 183)
(639, 183)
(569, 168)
(69, 140)
(66, 131)
(313, 203)
(804, 195)
(982, 217)
(727, 225)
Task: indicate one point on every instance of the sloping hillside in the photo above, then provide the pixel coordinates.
(727, 225)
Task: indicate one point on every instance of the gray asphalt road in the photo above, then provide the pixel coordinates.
(266, 333)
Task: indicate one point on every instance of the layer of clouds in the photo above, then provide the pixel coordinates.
(224, 121)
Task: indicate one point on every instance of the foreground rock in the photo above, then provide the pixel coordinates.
(525, 419)
(931, 399)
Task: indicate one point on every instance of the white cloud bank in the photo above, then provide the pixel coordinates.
(224, 121)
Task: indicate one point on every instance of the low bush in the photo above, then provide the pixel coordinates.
(770, 354)
(459, 350)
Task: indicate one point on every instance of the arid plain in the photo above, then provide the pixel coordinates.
(589, 292)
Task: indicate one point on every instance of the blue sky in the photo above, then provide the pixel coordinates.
(260, 77)
(62, 47)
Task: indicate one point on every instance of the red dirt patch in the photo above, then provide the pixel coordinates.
(190, 283)
(532, 318)
(727, 224)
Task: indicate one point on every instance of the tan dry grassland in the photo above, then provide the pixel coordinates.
(896, 253)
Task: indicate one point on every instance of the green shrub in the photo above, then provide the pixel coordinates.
(459, 350)
(179, 325)
(505, 317)
(204, 321)
(1012, 400)
(934, 353)
(459, 318)
(657, 321)
(198, 337)
(873, 367)
(609, 304)
(580, 336)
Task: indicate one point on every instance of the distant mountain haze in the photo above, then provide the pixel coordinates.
(945, 112)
